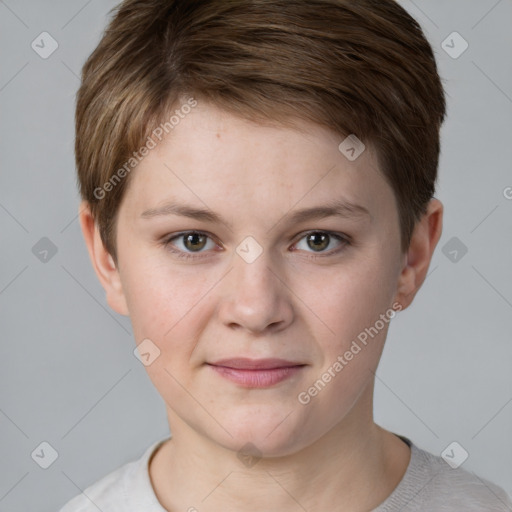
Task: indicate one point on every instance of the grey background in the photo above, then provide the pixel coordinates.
(68, 375)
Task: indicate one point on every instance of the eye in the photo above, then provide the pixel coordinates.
(189, 242)
(318, 241)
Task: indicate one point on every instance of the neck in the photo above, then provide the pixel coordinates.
(353, 467)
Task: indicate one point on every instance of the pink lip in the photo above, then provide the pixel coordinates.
(256, 373)
(244, 363)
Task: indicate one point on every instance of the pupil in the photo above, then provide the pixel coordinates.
(193, 239)
(323, 238)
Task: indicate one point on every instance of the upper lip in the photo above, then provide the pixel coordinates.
(243, 363)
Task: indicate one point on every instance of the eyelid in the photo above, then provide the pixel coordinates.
(302, 234)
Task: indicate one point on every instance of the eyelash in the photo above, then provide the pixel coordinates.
(344, 239)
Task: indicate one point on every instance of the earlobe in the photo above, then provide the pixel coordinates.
(102, 261)
(425, 237)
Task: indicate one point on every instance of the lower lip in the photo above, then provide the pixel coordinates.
(257, 378)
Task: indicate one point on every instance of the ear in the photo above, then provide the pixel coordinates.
(424, 239)
(102, 261)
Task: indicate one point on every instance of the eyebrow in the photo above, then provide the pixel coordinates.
(335, 208)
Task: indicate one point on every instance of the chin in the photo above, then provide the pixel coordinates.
(261, 433)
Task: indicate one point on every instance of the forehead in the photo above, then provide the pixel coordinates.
(214, 159)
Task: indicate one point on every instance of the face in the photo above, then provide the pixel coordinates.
(251, 279)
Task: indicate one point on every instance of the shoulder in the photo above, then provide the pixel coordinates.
(430, 483)
(119, 490)
(461, 489)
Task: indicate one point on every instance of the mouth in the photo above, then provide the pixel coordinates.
(256, 373)
(243, 363)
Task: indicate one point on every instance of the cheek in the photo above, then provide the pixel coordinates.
(352, 297)
(351, 305)
(166, 307)
(159, 296)
(169, 306)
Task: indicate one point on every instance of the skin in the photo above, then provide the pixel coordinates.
(287, 304)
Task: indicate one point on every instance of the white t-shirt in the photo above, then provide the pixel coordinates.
(429, 484)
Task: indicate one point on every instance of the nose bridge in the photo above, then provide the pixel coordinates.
(256, 298)
(256, 276)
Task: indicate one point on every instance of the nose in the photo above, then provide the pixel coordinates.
(256, 297)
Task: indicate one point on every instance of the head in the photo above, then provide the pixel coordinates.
(227, 119)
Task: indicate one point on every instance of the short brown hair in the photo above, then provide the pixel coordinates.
(360, 67)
